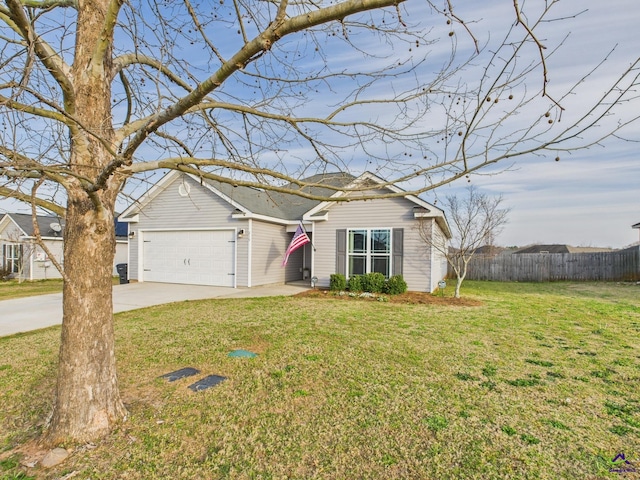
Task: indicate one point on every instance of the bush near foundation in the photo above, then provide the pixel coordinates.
(395, 285)
(337, 282)
(373, 282)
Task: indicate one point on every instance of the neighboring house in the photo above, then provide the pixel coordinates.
(637, 225)
(560, 248)
(489, 250)
(196, 231)
(23, 258)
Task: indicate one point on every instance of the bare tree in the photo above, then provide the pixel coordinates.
(98, 94)
(476, 221)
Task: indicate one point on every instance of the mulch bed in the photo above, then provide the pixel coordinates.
(415, 298)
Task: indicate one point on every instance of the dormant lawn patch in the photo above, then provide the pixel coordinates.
(534, 381)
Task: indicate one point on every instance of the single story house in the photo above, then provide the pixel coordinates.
(187, 229)
(25, 259)
(489, 250)
(561, 248)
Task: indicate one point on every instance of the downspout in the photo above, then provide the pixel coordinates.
(431, 260)
(313, 254)
(249, 254)
(128, 249)
(33, 250)
(140, 236)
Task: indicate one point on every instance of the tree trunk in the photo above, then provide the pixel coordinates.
(458, 285)
(87, 403)
(461, 274)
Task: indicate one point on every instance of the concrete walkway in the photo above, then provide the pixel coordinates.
(41, 311)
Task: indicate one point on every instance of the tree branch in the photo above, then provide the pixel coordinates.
(49, 58)
(261, 43)
(40, 112)
(106, 37)
(190, 165)
(123, 61)
(196, 22)
(36, 231)
(26, 198)
(48, 4)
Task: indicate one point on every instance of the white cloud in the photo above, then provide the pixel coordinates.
(588, 202)
(589, 197)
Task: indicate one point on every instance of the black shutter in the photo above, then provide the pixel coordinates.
(341, 252)
(398, 242)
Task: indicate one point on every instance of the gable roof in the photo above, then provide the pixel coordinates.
(489, 250)
(422, 209)
(25, 223)
(288, 208)
(284, 207)
(560, 248)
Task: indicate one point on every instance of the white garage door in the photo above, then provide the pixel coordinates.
(198, 257)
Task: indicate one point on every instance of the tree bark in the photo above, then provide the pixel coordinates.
(459, 281)
(88, 403)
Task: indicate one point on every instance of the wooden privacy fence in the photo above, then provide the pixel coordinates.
(623, 265)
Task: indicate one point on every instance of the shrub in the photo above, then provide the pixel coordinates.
(373, 282)
(355, 283)
(5, 274)
(395, 285)
(337, 282)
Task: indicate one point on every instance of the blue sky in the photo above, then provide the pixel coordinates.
(589, 198)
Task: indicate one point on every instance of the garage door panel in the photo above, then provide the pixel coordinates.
(204, 257)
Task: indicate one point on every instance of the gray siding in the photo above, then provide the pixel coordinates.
(308, 251)
(298, 260)
(269, 242)
(378, 213)
(36, 268)
(439, 261)
(10, 233)
(122, 254)
(200, 209)
(260, 251)
(34, 265)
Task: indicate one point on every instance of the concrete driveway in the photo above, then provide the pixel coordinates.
(41, 311)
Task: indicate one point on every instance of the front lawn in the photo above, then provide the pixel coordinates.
(540, 381)
(14, 289)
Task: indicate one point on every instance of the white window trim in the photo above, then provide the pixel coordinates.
(368, 253)
(13, 260)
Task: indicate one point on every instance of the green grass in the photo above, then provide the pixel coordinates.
(356, 389)
(14, 289)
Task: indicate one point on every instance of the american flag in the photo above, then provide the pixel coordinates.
(298, 240)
